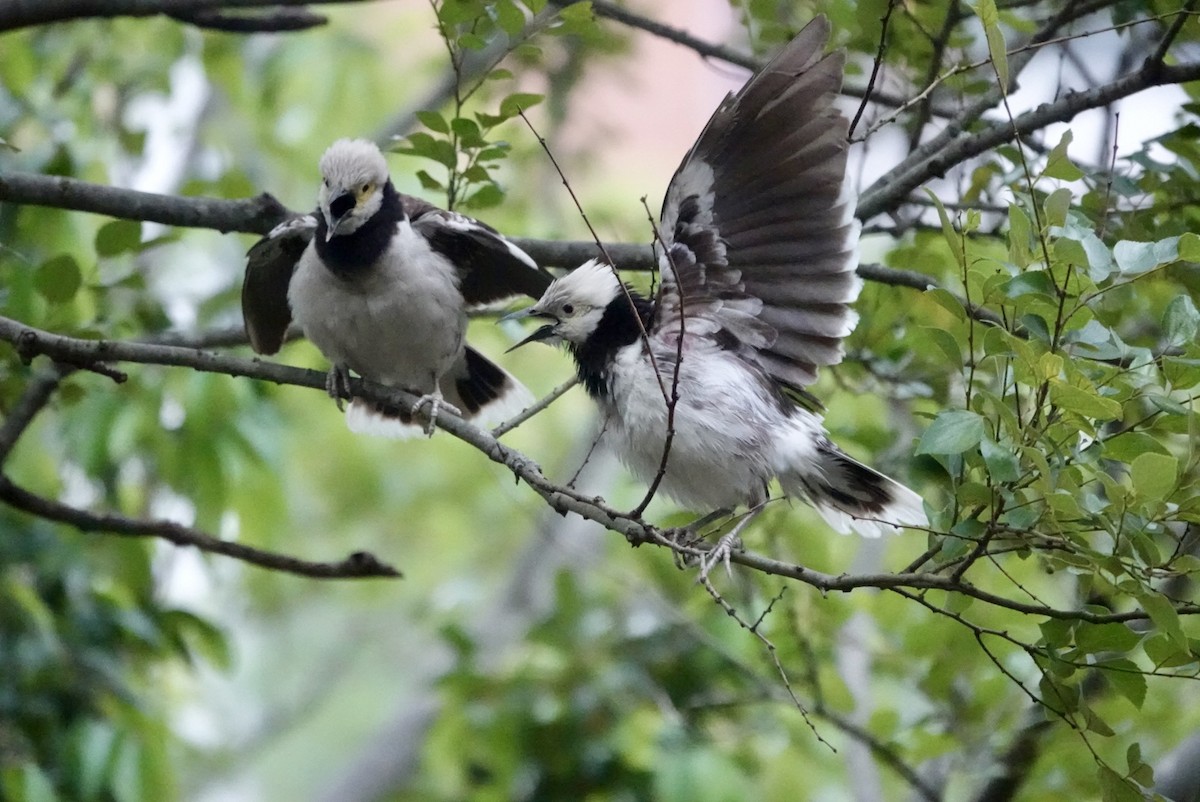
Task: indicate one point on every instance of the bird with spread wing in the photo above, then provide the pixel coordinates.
(757, 258)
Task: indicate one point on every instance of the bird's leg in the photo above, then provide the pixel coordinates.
(435, 403)
(337, 383)
(726, 544)
(690, 534)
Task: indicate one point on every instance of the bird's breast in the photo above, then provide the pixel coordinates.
(399, 320)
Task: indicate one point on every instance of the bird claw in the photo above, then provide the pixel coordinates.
(435, 403)
(720, 553)
(337, 384)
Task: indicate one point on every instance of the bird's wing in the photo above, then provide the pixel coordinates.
(759, 227)
(269, 266)
(491, 268)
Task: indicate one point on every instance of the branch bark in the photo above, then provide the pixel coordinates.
(358, 565)
(30, 342)
(16, 14)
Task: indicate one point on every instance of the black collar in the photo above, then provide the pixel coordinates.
(347, 255)
(618, 328)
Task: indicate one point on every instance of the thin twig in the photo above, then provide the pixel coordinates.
(875, 66)
(525, 414)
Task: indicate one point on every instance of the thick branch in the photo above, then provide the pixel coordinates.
(889, 193)
(357, 566)
(256, 215)
(24, 13)
(30, 341)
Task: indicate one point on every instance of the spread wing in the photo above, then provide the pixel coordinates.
(269, 266)
(491, 269)
(759, 228)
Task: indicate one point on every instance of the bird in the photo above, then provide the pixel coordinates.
(757, 252)
(381, 283)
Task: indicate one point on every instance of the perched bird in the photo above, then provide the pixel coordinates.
(381, 283)
(757, 255)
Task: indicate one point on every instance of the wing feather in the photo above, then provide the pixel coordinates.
(270, 263)
(759, 228)
(491, 269)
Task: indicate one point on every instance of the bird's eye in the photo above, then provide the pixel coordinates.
(568, 309)
(366, 188)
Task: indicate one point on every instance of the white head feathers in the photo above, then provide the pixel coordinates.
(576, 302)
(354, 173)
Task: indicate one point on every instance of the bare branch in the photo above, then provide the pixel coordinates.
(560, 498)
(891, 191)
(35, 396)
(16, 14)
(256, 215)
(359, 565)
(278, 21)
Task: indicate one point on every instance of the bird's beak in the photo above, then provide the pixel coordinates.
(339, 207)
(542, 333)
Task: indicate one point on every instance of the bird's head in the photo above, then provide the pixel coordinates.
(354, 173)
(573, 305)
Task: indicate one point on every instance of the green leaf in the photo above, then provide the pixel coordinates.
(1165, 617)
(429, 182)
(1127, 679)
(1034, 282)
(1189, 247)
(1115, 788)
(1020, 233)
(1181, 320)
(517, 102)
(1129, 446)
(990, 17)
(948, 301)
(1058, 164)
(953, 238)
(1134, 258)
(58, 279)
(509, 18)
(952, 432)
(468, 132)
(1057, 204)
(485, 197)
(118, 236)
(434, 121)
(1083, 402)
(1110, 637)
(1154, 475)
(1002, 464)
(945, 342)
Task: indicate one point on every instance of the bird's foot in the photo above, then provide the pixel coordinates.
(723, 549)
(720, 553)
(435, 403)
(686, 539)
(337, 384)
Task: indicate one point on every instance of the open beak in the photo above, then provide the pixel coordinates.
(541, 333)
(339, 207)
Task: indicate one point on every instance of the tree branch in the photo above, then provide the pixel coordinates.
(885, 195)
(359, 565)
(35, 396)
(30, 340)
(16, 14)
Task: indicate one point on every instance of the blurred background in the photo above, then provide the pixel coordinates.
(523, 655)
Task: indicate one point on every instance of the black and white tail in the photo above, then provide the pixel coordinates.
(850, 496)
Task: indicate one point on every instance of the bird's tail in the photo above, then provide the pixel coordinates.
(850, 496)
(484, 392)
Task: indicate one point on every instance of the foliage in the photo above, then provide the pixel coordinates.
(1040, 390)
